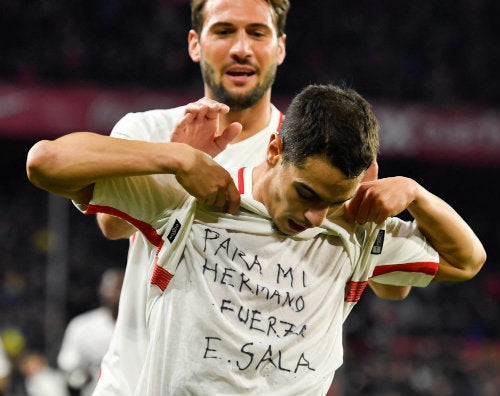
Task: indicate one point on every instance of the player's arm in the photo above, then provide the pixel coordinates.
(461, 252)
(199, 128)
(114, 227)
(389, 292)
(70, 165)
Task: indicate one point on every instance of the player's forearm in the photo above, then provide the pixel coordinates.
(69, 165)
(114, 227)
(460, 249)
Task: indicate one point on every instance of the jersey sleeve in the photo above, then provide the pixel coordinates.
(407, 258)
(131, 126)
(156, 205)
(144, 201)
(148, 126)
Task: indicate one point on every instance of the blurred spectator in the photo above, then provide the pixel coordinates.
(40, 378)
(441, 52)
(424, 51)
(87, 336)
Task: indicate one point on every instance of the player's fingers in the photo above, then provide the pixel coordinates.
(200, 110)
(185, 120)
(214, 110)
(377, 215)
(351, 207)
(181, 128)
(371, 173)
(208, 201)
(364, 212)
(201, 113)
(213, 104)
(220, 199)
(233, 199)
(193, 107)
(228, 135)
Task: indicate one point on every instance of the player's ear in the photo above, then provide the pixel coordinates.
(274, 149)
(194, 46)
(281, 49)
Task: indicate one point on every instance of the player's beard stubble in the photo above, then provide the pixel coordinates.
(236, 102)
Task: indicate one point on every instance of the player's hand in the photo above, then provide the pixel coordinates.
(375, 201)
(207, 181)
(370, 175)
(200, 125)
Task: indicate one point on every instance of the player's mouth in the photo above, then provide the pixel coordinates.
(240, 74)
(295, 227)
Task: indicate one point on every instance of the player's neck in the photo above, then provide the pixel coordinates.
(253, 119)
(260, 177)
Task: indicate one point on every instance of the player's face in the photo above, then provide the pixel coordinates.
(238, 51)
(300, 198)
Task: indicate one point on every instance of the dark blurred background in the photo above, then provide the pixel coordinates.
(429, 68)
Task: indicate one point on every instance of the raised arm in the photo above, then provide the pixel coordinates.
(70, 165)
(461, 252)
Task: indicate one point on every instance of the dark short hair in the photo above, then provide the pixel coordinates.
(279, 10)
(333, 123)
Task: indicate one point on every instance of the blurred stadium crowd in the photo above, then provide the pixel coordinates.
(442, 340)
(444, 52)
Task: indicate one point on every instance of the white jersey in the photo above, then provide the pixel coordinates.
(47, 381)
(236, 308)
(123, 362)
(84, 344)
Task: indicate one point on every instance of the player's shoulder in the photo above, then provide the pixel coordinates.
(157, 115)
(401, 228)
(90, 317)
(150, 125)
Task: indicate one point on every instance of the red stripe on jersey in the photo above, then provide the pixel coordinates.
(354, 290)
(241, 181)
(429, 268)
(147, 229)
(161, 277)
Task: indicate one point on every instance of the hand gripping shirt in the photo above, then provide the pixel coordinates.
(235, 307)
(123, 361)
